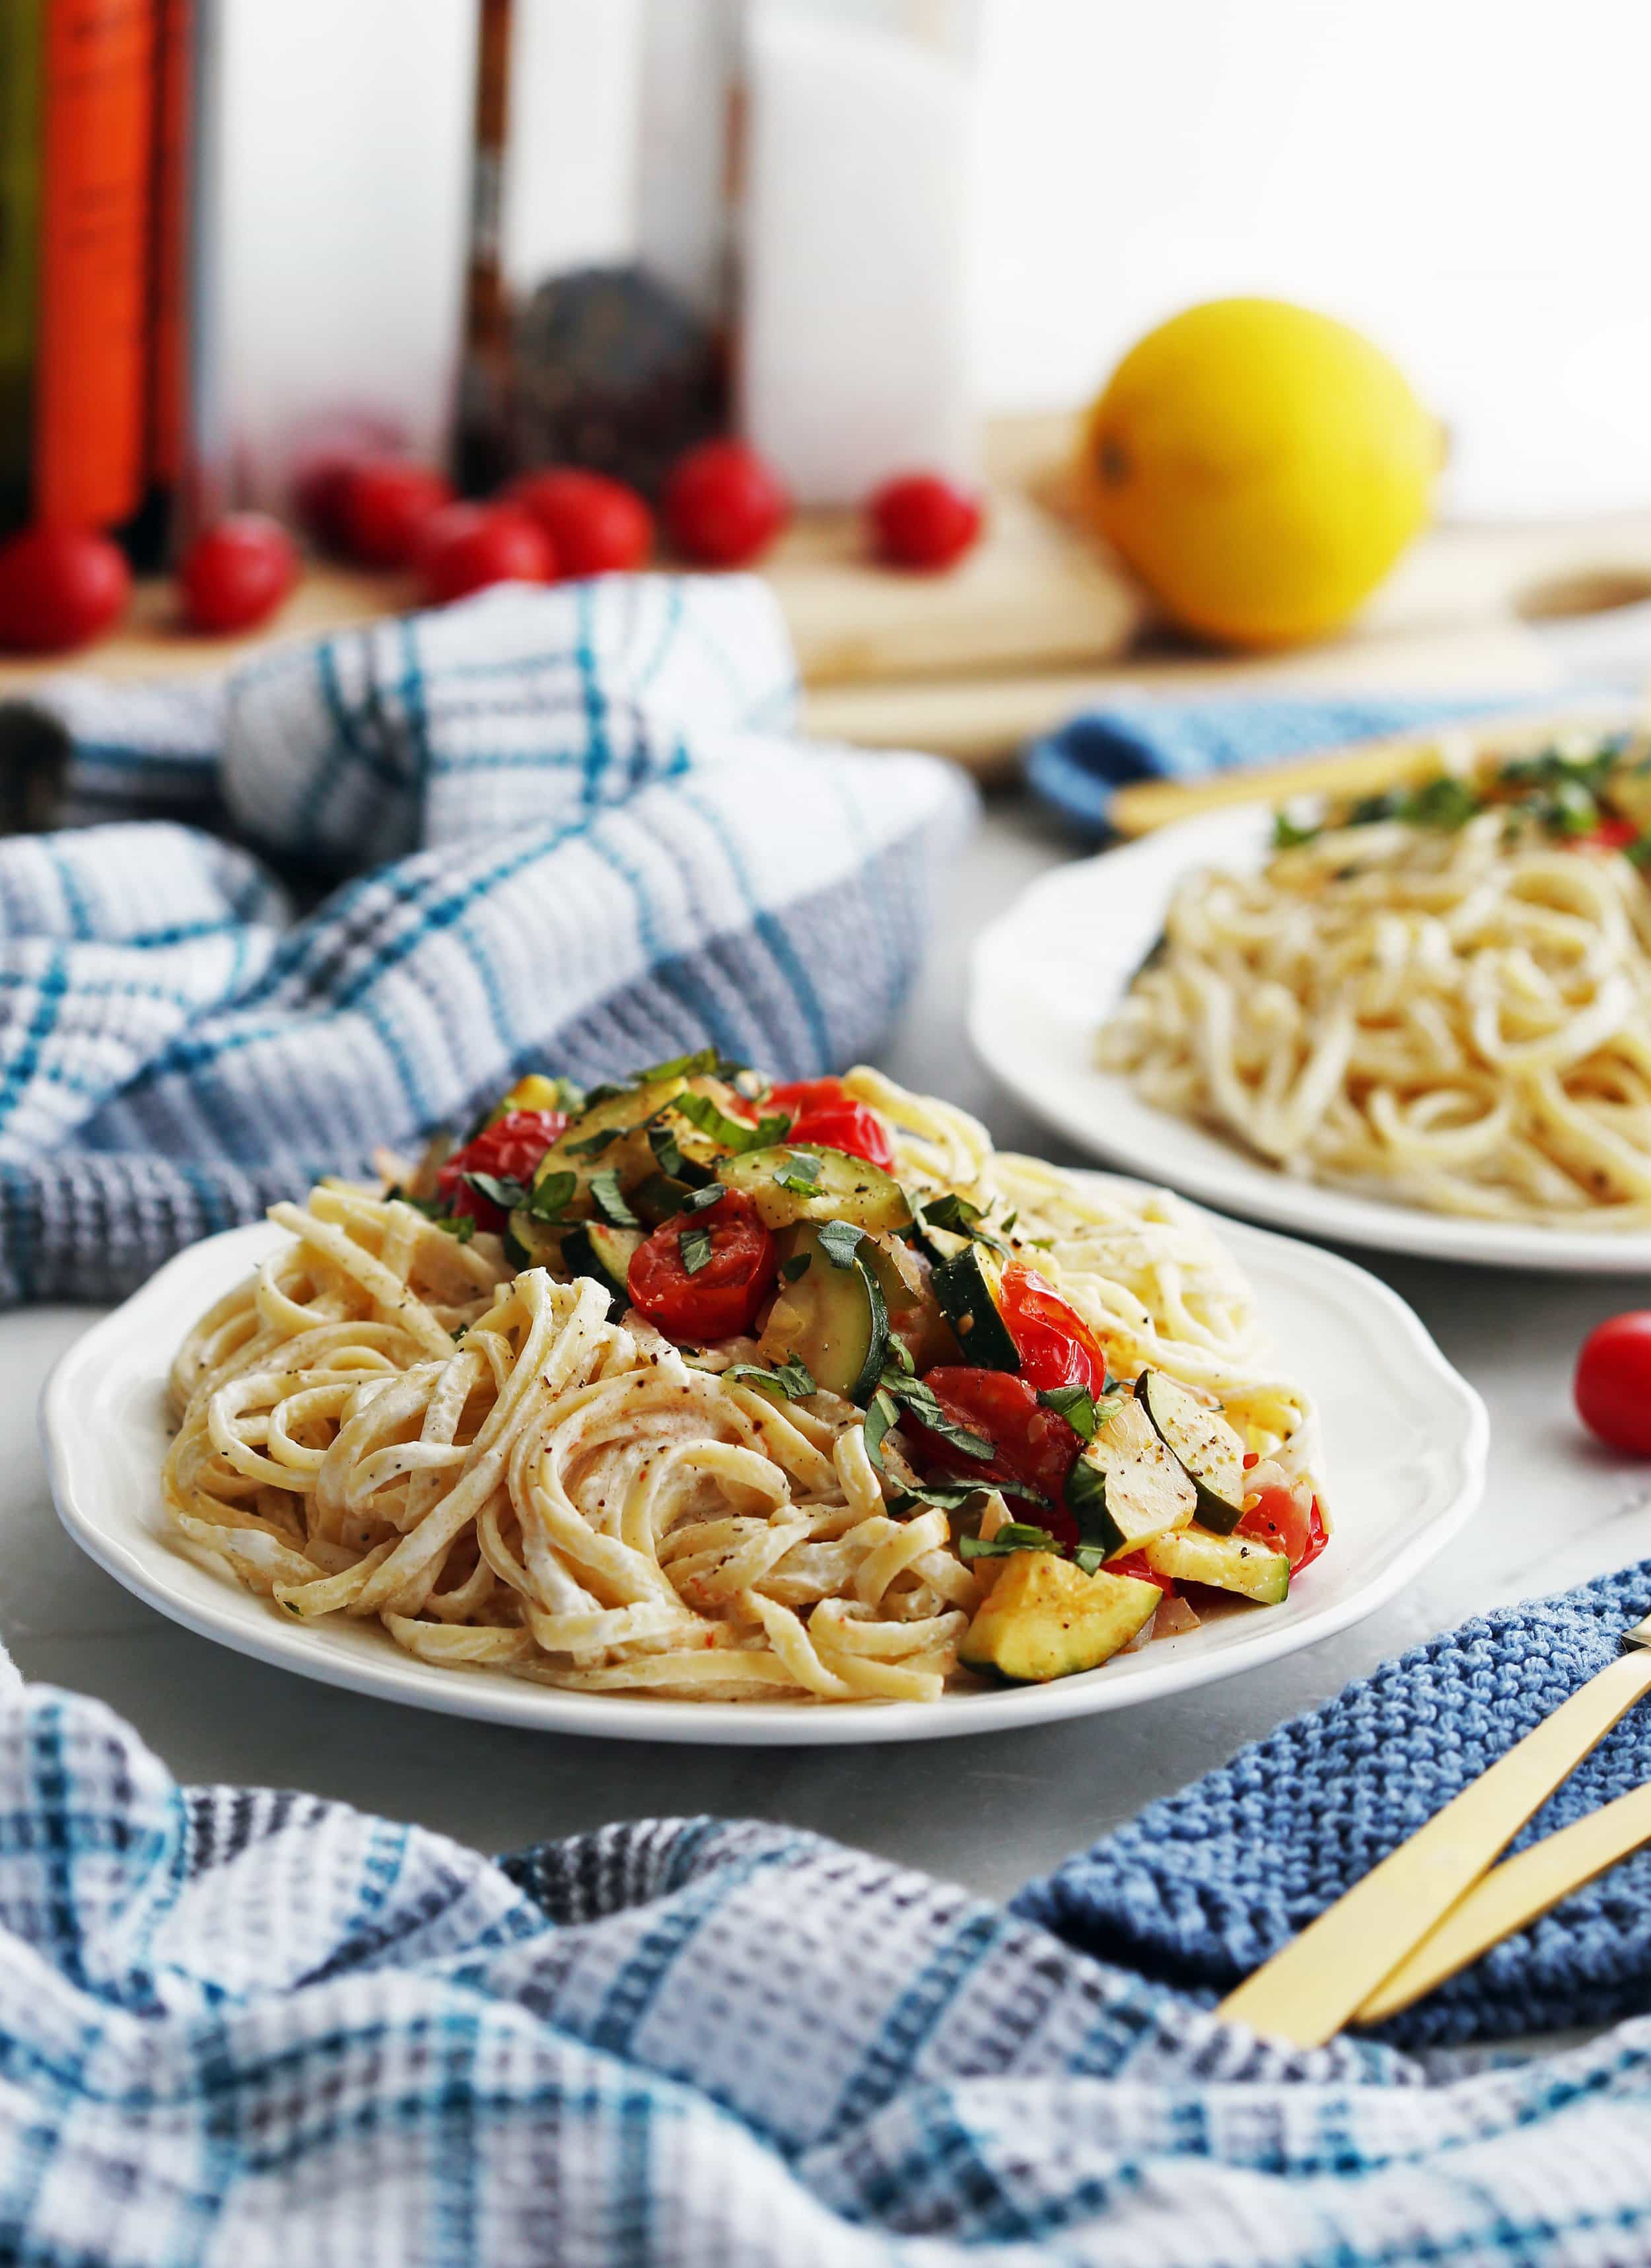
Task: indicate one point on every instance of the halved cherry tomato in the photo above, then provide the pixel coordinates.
(1136, 1565)
(1278, 1520)
(719, 1298)
(1610, 835)
(822, 1113)
(509, 1149)
(1055, 1345)
(1032, 1445)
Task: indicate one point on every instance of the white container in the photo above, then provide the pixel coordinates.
(854, 361)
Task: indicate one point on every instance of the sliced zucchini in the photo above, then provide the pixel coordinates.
(1044, 1618)
(967, 1289)
(659, 1197)
(1126, 1485)
(1210, 1453)
(829, 1316)
(541, 1243)
(595, 1249)
(788, 1185)
(1226, 1563)
(681, 1151)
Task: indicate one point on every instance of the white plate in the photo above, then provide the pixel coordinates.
(1405, 1450)
(1047, 974)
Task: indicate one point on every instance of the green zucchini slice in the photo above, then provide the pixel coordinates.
(830, 1317)
(787, 1185)
(1044, 1618)
(1226, 1563)
(967, 1289)
(595, 1249)
(1126, 1486)
(1210, 1453)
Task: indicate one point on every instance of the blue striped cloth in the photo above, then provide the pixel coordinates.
(570, 827)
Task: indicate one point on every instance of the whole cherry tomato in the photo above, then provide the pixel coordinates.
(60, 587)
(718, 1297)
(509, 1149)
(466, 547)
(1613, 1382)
(822, 1113)
(922, 520)
(1032, 1445)
(237, 572)
(383, 506)
(724, 504)
(596, 526)
(1055, 1345)
(1278, 1521)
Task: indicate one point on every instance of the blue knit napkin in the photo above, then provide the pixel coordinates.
(568, 826)
(1141, 737)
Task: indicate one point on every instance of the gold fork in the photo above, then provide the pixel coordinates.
(1341, 1964)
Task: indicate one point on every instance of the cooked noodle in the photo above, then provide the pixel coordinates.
(383, 1422)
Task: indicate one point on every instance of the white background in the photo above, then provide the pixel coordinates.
(1467, 180)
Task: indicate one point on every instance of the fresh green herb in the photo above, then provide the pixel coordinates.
(796, 1266)
(694, 1246)
(840, 1240)
(1016, 1536)
(593, 1145)
(702, 1061)
(1041, 1243)
(506, 1194)
(940, 1497)
(609, 1203)
(550, 1196)
(1446, 803)
(1573, 810)
(702, 1200)
(733, 1133)
(1286, 835)
(801, 1172)
(1076, 1405)
(1008, 1221)
(457, 1224)
(792, 1379)
(920, 1400)
(457, 1334)
(1640, 852)
(881, 1415)
(1087, 1557)
(903, 1365)
(668, 1153)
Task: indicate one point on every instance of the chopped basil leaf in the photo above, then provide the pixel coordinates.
(931, 1493)
(609, 1203)
(593, 1145)
(1087, 1557)
(1041, 1243)
(549, 1198)
(688, 1066)
(1015, 1538)
(1076, 1405)
(458, 1225)
(1640, 852)
(919, 1399)
(667, 1152)
(1286, 835)
(1008, 1220)
(694, 1245)
(801, 1172)
(796, 1266)
(839, 1241)
(881, 1415)
(733, 1133)
(904, 1366)
(702, 1200)
(506, 1194)
(792, 1379)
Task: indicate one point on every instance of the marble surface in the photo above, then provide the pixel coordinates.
(988, 1812)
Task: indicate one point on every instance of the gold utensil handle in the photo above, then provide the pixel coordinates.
(1368, 768)
(1308, 1991)
(1514, 1894)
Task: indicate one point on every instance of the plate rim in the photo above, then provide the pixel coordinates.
(549, 1709)
(1236, 1185)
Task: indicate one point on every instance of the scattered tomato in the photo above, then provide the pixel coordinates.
(1610, 835)
(823, 1114)
(925, 521)
(383, 505)
(1055, 1345)
(721, 1296)
(237, 572)
(509, 1149)
(723, 505)
(1613, 1382)
(1278, 1521)
(596, 525)
(60, 587)
(466, 547)
(1136, 1565)
(1032, 1446)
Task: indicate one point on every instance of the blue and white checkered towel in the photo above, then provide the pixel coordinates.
(243, 2029)
(577, 830)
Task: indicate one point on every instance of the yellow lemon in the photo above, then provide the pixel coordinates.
(1260, 467)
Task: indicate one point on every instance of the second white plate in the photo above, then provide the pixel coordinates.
(1046, 975)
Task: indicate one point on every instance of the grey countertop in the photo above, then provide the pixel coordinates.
(987, 1811)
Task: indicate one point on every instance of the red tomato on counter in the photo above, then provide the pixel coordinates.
(382, 507)
(509, 1149)
(1613, 1382)
(822, 1115)
(466, 548)
(924, 520)
(724, 504)
(596, 526)
(720, 1297)
(237, 572)
(60, 587)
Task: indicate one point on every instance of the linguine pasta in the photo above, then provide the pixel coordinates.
(510, 1471)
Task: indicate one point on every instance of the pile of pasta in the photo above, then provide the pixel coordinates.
(1458, 1019)
(384, 1423)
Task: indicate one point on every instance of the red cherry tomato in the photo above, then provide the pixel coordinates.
(922, 520)
(1610, 835)
(383, 507)
(719, 1298)
(1278, 1521)
(509, 1149)
(60, 587)
(237, 572)
(596, 526)
(723, 505)
(1055, 1345)
(1136, 1565)
(466, 547)
(1032, 1446)
(1613, 1382)
(822, 1114)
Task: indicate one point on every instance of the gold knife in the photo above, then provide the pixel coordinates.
(1322, 1979)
